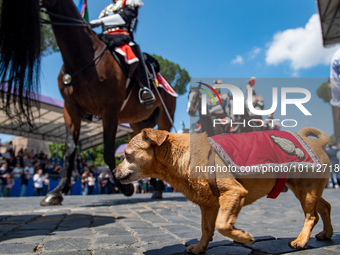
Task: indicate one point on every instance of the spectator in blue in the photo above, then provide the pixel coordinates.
(49, 167)
(24, 182)
(331, 151)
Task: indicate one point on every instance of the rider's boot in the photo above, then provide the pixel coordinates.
(146, 97)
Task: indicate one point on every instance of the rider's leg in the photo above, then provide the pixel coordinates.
(146, 94)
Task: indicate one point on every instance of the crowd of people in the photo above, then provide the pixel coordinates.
(152, 185)
(106, 185)
(27, 165)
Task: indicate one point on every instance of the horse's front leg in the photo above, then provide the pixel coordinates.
(110, 123)
(72, 123)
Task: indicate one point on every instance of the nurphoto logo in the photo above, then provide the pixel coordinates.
(238, 104)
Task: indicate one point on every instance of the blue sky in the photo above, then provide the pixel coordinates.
(227, 39)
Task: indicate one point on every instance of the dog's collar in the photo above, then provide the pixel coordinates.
(212, 174)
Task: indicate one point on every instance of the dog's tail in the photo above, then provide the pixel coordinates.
(310, 131)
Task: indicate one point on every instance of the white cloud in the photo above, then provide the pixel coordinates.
(254, 52)
(237, 60)
(301, 47)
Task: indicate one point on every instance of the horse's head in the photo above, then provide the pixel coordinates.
(194, 101)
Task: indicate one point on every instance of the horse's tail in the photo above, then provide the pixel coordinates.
(310, 131)
(19, 56)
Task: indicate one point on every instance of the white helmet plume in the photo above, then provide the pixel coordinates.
(134, 3)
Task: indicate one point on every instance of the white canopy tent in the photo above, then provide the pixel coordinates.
(49, 126)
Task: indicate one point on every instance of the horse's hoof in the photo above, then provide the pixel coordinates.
(127, 189)
(51, 200)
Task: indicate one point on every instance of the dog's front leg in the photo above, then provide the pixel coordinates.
(231, 202)
(209, 215)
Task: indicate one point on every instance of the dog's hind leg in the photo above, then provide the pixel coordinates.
(231, 203)
(209, 215)
(308, 191)
(324, 209)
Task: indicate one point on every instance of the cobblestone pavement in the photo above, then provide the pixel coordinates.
(114, 224)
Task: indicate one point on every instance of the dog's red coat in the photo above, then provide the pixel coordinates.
(258, 148)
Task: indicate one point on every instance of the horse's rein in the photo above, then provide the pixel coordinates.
(67, 78)
(77, 22)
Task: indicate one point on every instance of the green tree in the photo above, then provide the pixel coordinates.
(324, 92)
(56, 150)
(96, 154)
(178, 77)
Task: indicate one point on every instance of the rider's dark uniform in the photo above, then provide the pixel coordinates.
(118, 20)
(121, 33)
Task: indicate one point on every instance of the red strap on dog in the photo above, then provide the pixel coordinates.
(280, 184)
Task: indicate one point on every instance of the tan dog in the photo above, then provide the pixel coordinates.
(167, 156)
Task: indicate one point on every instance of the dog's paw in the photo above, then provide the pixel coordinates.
(297, 245)
(324, 235)
(245, 237)
(195, 249)
(250, 239)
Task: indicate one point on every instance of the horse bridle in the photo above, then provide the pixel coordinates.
(67, 78)
(77, 22)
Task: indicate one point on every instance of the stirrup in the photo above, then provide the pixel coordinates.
(146, 97)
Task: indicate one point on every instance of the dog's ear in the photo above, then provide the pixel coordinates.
(156, 136)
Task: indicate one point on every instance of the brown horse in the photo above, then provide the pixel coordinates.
(98, 85)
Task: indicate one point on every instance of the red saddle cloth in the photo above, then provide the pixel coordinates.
(263, 149)
(163, 83)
